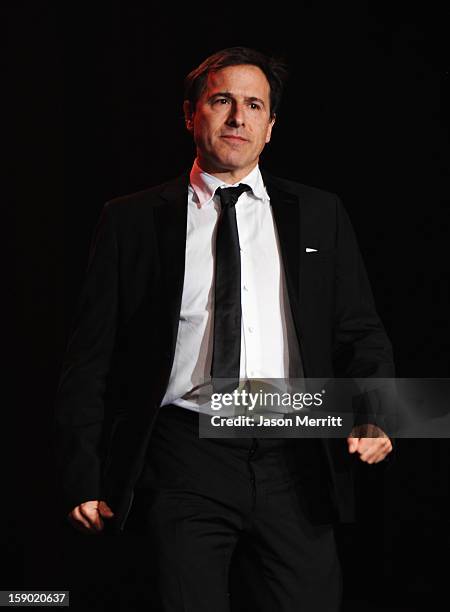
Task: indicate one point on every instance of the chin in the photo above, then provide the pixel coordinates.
(233, 163)
(227, 163)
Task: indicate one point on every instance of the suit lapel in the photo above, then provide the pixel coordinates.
(286, 212)
(171, 222)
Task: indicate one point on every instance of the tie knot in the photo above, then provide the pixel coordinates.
(230, 195)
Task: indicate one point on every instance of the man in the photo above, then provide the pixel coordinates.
(159, 315)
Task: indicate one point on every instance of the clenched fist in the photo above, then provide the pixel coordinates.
(370, 442)
(87, 517)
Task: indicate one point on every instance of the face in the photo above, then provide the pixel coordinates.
(231, 123)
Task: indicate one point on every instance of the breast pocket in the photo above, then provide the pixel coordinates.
(317, 276)
(319, 256)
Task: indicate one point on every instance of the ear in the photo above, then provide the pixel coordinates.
(269, 128)
(188, 115)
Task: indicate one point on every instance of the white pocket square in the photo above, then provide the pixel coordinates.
(308, 250)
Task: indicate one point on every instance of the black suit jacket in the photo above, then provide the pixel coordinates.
(119, 356)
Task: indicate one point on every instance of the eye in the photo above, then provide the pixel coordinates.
(255, 106)
(221, 101)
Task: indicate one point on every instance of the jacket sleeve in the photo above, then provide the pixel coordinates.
(361, 347)
(79, 404)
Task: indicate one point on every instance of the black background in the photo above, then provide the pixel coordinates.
(98, 100)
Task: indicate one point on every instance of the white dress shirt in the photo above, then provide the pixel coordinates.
(268, 342)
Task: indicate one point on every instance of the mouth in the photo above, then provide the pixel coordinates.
(234, 138)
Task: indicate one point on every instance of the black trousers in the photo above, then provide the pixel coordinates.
(197, 498)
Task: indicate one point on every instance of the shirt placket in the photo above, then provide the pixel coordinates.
(250, 332)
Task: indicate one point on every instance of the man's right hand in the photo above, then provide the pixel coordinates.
(87, 517)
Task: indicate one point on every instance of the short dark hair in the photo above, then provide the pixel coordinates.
(275, 70)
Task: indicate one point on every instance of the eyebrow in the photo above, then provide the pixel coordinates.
(227, 94)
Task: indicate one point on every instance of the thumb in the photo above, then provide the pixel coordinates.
(352, 444)
(104, 510)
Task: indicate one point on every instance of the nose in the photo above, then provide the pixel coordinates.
(236, 116)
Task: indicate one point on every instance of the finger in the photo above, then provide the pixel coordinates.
(93, 517)
(368, 444)
(352, 444)
(77, 520)
(377, 451)
(384, 452)
(364, 449)
(370, 453)
(369, 459)
(376, 458)
(105, 510)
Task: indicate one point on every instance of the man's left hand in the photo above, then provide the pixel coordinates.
(371, 449)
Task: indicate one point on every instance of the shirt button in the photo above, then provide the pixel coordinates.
(250, 329)
(245, 288)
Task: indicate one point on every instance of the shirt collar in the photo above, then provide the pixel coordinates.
(204, 185)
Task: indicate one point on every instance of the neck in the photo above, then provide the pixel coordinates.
(228, 176)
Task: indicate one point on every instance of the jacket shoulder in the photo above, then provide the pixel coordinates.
(305, 193)
(149, 198)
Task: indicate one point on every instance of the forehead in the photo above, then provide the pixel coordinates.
(245, 80)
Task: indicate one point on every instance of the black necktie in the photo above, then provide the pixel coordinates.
(227, 296)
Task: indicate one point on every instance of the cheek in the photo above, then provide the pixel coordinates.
(207, 130)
